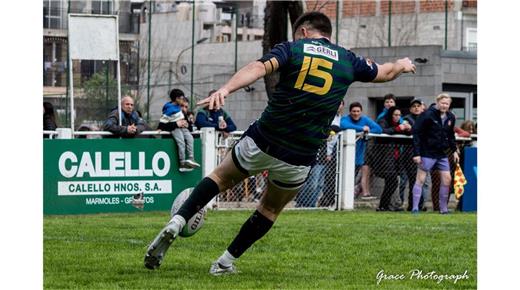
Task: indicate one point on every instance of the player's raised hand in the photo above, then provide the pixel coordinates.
(407, 64)
(215, 100)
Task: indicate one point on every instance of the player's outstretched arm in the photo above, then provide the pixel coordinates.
(245, 76)
(390, 71)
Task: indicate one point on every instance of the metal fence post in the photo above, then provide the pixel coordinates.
(209, 154)
(346, 198)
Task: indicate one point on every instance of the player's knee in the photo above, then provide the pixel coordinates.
(219, 180)
(269, 211)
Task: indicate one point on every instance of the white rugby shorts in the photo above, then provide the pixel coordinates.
(248, 157)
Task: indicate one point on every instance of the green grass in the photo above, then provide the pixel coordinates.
(303, 250)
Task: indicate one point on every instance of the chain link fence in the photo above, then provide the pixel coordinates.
(386, 179)
(319, 191)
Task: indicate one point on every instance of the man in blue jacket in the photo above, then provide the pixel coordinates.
(361, 123)
(216, 118)
(433, 139)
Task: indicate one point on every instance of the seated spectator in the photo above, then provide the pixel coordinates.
(218, 119)
(131, 124)
(175, 120)
(49, 119)
(361, 123)
(87, 128)
(392, 153)
(191, 120)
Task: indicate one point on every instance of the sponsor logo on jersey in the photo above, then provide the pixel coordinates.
(320, 50)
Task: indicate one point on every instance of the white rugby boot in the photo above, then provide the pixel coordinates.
(157, 249)
(217, 269)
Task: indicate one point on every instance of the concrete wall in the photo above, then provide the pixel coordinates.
(442, 67)
(214, 65)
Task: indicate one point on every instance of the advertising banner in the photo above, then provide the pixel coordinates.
(469, 198)
(102, 175)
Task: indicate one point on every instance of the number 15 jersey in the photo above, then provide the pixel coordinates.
(314, 77)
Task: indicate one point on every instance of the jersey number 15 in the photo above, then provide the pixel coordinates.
(311, 66)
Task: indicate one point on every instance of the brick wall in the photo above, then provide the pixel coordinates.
(435, 5)
(326, 7)
(372, 7)
(398, 7)
(469, 3)
(359, 8)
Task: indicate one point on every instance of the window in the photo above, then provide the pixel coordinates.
(471, 39)
(102, 7)
(52, 14)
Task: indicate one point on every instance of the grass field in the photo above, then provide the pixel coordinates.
(303, 250)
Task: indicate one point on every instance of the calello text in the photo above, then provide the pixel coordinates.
(119, 164)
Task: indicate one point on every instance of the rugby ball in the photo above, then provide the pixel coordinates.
(195, 223)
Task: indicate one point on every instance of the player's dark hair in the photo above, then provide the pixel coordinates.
(316, 20)
(389, 97)
(176, 93)
(354, 105)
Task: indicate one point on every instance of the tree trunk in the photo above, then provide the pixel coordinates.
(275, 31)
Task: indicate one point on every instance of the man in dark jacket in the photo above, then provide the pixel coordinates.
(433, 139)
(131, 124)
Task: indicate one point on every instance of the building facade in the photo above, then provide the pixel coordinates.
(197, 46)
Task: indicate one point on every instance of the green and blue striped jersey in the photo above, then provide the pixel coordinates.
(314, 77)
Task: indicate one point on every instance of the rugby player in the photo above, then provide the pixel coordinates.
(314, 77)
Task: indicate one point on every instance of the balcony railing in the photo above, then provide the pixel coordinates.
(56, 18)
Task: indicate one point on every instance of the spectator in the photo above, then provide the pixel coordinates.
(88, 128)
(49, 119)
(461, 132)
(391, 150)
(468, 126)
(329, 161)
(433, 137)
(309, 192)
(131, 124)
(218, 119)
(389, 101)
(175, 120)
(191, 120)
(409, 167)
(361, 123)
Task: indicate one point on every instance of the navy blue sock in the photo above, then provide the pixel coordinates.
(253, 229)
(206, 190)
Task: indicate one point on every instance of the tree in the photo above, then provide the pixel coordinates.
(100, 97)
(274, 19)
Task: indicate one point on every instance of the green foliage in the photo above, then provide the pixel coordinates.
(304, 250)
(100, 96)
